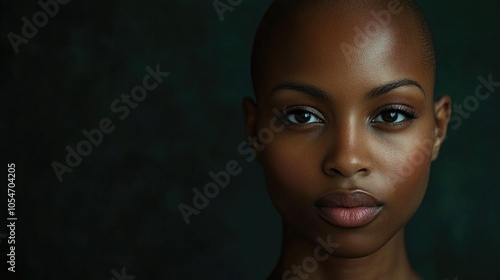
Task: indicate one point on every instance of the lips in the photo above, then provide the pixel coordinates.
(348, 209)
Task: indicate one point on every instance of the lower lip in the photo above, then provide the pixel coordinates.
(349, 217)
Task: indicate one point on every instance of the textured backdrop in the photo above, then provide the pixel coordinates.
(116, 213)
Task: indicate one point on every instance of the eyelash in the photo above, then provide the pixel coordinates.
(408, 112)
(295, 110)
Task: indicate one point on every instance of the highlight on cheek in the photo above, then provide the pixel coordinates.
(419, 157)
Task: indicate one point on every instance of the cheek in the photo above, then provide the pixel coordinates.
(407, 174)
(291, 174)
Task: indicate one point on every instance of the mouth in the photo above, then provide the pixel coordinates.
(349, 209)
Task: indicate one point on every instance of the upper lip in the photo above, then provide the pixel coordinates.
(357, 198)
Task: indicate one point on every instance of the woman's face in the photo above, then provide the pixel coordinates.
(357, 133)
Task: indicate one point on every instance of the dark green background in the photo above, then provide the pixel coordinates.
(119, 207)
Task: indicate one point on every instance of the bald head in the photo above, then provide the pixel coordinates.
(358, 29)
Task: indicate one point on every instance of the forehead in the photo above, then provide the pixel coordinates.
(336, 47)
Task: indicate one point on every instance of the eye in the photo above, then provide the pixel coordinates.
(390, 117)
(396, 115)
(301, 115)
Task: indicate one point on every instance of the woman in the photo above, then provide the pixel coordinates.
(352, 83)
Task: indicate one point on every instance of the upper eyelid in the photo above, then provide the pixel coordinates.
(395, 107)
(285, 112)
(406, 110)
(304, 108)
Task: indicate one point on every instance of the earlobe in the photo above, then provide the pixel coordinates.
(442, 114)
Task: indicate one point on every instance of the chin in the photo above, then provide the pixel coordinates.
(359, 243)
(355, 249)
(352, 243)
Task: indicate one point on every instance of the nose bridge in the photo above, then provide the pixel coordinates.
(349, 141)
(347, 150)
(348, 134)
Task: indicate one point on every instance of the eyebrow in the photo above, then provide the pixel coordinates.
(303, 88)
(319, 93)
(386, 88)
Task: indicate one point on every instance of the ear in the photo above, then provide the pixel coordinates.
(250, 115)
(442, 113)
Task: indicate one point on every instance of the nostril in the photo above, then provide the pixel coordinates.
(333, 171)
(345, 169)
(347, 153)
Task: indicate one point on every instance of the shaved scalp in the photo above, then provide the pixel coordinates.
(282, 12)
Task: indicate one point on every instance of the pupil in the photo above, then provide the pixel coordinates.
(303, 117)
(390, 116)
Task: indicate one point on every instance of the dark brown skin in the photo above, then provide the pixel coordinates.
(346, 140)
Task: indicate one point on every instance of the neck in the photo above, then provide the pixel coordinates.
(389, 262)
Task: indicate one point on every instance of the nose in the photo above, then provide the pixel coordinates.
(348, 152)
